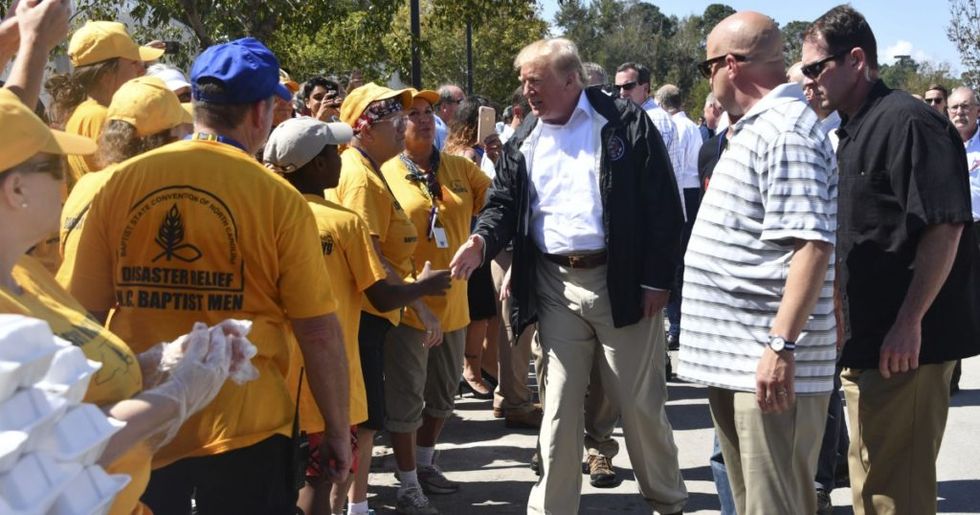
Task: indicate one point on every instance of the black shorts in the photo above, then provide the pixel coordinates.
(246, 481)
(371, 343)
(481, 295)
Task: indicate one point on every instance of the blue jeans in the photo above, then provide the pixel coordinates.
(721, 480)
(692, 202)
(834, 436)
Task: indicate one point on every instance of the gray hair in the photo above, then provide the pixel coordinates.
(669, 97)
(595, 70)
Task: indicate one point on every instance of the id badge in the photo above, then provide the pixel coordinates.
(437, 231)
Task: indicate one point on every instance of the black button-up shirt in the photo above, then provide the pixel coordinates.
(902, 168)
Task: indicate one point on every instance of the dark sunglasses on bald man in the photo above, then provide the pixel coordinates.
(705, 66)
(813, 70)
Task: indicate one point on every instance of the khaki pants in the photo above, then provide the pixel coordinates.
(601, 416)
(771, 458)
(512, 394)
(897, 426)
(575, 323)
(418, 380)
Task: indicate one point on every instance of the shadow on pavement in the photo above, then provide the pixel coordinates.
(689, 416)
(965, 398)
(476, 498)
(613, 503)
(959, 496)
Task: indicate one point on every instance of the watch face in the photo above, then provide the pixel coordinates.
(777, 343)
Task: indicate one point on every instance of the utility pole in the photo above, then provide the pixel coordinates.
(416, 43)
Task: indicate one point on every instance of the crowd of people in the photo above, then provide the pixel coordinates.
(813, 231)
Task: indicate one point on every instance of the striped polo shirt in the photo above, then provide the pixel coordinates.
(774, 184)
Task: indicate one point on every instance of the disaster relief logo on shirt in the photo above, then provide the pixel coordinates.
(179, 251)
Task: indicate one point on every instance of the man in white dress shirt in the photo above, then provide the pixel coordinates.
(586, 192)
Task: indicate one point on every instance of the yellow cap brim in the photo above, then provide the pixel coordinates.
(69, 144)
(428, 95)
(188, 108)
(150, 53)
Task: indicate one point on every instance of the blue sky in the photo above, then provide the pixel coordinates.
(916, 28)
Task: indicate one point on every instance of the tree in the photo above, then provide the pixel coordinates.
(500, 31)
(712, 15)
(793, 40)
(964, 32)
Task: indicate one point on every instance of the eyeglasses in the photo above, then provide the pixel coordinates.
(627, 86)
(813, 70)
(706, 67)
(398, 121)
(935, 100)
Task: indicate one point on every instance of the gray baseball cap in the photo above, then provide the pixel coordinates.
(297, 141)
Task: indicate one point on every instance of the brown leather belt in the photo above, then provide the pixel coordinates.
(579, 261)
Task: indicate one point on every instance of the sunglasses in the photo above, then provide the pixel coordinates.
(706, 66)
(628, 86)
(935, 100)
(813, 70)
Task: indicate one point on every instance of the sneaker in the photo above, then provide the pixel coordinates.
(527, 420)
(433, 481)
(673, 342)
(824, 506)
(411, 501)
(601, 473)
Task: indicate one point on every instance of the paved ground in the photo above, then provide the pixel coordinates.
(492, 462)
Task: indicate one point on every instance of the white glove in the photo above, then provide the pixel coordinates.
(242, 370)
(197, 378)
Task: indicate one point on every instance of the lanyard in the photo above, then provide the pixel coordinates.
(374, 166)
(204, 136)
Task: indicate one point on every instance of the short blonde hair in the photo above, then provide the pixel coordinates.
(559, 53)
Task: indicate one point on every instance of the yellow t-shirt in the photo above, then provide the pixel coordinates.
(353, 266)
(73, 215)
(362, 191)
(464, 188)
(117, 380)
(87, 120)
(199, 231)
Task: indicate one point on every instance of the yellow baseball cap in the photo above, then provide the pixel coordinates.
(426, 94)
(149, 105)
(288, 81)
(25, 135)
(359, 99)
(98, 41)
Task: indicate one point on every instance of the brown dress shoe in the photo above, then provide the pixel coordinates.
(524, 420)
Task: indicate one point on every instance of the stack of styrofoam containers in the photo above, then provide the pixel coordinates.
(49, 440)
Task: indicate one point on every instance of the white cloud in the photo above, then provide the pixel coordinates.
(902, 47)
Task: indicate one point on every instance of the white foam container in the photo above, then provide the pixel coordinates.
(34, 484)
(69, 374)
(32, 411)
(90, 493)
(11, 447)
(26, 349)
(81, 435)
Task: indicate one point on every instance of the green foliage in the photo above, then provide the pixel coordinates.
(500, 31)
(611, 32)
(914, 77)
(793, 40)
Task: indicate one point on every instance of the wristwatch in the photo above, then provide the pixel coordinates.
(779, 344)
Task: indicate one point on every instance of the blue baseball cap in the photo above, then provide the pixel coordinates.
(248, 70)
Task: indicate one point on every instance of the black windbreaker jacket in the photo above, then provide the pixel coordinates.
(641, 212)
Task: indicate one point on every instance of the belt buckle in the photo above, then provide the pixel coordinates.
(573, 261)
